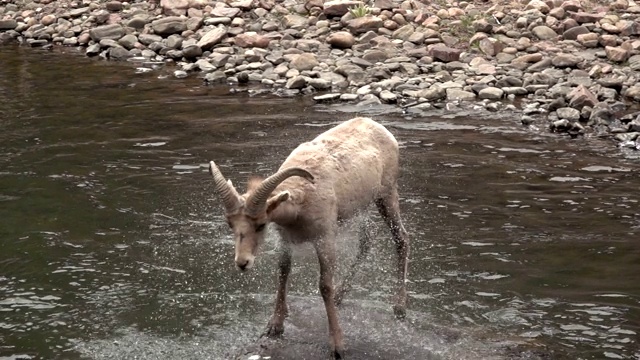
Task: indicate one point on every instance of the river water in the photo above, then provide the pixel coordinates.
(525, 245)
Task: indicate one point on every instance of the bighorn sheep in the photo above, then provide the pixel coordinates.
(322, 182)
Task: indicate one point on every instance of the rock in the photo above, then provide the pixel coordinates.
(404, 32)
(543, 32)
(566, 60)
(490, 46)
(341, 39)
(529, 58)
(617, 54)
(445, 53)
(48, 19)
(148, 39)
(251, 39)
(225, 12)
(169, 25)
(572, 34)
(296, 82)
(93, 50)
(568, 113)
(293, 21)
(113, 31)
(388, 97)
(585, 17)
(459, 94)
(589, 40)
(128, 41)
(339, 7)
(8, 24)
(364, 24)
(192, 51)
(305, 61)
(118, 53)
(212, 37)
(138, 22)
(114, 6)
(491, 93)
(319, 84)
(329, 97)
(633, 93)
(581, 96)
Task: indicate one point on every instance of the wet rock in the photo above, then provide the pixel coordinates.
(168, 25)
(212, 37)
(113, 31)
(128, 41)
(341, 40)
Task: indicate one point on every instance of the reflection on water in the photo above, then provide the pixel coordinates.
(113, 246)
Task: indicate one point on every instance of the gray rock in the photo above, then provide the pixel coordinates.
(118, 53)
(148, 39)
(138, 22)
(543, 32)
(8, 24)
(169, 25)
(113, 31)
(388, 97)
(568, 113)
(93, 50)
(572, 33)
(445, 53)
(319, 84)
(180, 74)
(566, 60)
(364, 24)
(341, 39)
(215, 77)
(491, 93)
(205, 66)
(459, 94)
(296, 82)
(192, 51)
(339, 7)
(404, 32)
(212, 37)
(174, 41)
(305, 61)
(330, 97)
(128, 41)
(297, 22)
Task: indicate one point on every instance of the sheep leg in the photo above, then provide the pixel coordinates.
(364, 245)
(326, 251)
(275, 327)
(389, 209)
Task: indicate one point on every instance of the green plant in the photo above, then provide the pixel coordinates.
(360, 10)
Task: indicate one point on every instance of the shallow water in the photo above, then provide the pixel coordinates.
(524, 244)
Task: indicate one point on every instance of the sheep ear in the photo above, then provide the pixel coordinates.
(274, 201)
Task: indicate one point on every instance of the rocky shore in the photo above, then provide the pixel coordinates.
(570, 66)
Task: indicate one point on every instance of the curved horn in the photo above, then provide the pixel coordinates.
(229, 195)
(259, 198)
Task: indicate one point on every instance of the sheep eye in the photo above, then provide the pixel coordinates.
(260, 227)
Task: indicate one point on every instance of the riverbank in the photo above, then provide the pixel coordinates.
(573, 66)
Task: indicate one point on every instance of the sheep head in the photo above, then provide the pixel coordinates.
(249, 214)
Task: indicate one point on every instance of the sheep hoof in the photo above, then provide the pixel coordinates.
(338, 354)
(400, 311)
(274, 330)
